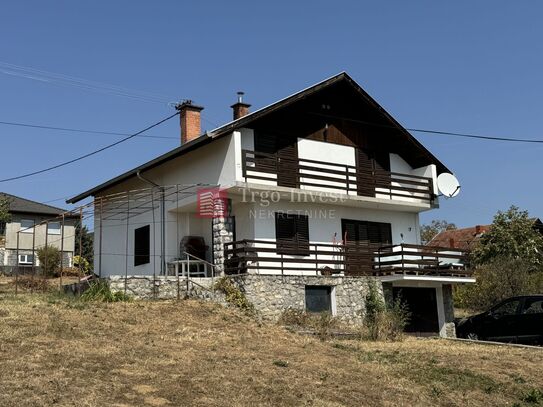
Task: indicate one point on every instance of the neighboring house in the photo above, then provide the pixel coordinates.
(32, 225)
(320, 191)
(467, 238)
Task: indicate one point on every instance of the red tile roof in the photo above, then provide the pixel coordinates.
(465, 238)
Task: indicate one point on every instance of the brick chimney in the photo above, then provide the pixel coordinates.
(240, 109)
(189, 116)
(478, 229)
(451, 242)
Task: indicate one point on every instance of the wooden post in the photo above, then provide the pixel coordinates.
(33, 256)
(17, 265)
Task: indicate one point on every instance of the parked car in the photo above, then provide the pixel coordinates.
(517, 319)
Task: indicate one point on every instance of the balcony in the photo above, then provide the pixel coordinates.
(270, 169)
(271, 257)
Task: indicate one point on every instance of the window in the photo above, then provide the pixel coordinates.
(292, 234)
(27, 226)
(26, 259)
(318, 298)
(53, 228)
(533, 306)
(142, 245)
(508, 308)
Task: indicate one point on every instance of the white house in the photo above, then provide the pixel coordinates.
(310, 197)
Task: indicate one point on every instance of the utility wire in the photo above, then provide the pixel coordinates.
(80, 83)
(89, 154)
(109, 133)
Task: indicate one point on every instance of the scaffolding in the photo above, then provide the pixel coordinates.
(109, 215)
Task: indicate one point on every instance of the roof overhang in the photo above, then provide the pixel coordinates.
(427, 279)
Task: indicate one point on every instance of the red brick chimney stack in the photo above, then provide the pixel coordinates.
(478, 229)
(189, 116)
(451, 242)
(240, 109)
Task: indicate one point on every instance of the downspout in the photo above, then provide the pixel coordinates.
(162, 222)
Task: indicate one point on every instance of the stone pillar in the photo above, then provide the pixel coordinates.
(223, 229)
(448, 305)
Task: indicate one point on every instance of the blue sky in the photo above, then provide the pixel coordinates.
(458, 66)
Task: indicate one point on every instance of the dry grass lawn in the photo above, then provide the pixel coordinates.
(56, 351)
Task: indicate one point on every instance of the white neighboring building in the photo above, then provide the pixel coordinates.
(320, 191)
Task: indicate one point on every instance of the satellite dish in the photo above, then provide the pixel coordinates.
(448, 185)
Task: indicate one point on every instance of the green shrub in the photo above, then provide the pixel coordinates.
(382, 322)
(99, 291)
(49, 257)
(234, 296)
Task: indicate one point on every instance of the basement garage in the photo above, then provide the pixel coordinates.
(422, 305)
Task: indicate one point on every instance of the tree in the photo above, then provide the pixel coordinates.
(87, 243)
(4, 210)
(511, 236)
(5, 216)
(497, 280)
(428, 232)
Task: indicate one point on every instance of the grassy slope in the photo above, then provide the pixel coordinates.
(58, 352)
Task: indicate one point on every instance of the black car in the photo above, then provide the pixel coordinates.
(517, 319)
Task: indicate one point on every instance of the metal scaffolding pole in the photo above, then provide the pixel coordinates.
(46, 248)
(33, 257)
(80, 248)
(126, 242)
(100, 239)
(62, 252)
(17, 264)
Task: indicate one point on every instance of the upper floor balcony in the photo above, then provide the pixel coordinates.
(333, 177)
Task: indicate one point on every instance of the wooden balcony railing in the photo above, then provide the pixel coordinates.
(271, 257)
(348, 179)
(415, 259)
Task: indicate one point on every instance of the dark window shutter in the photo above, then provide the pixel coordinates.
(292, 234)
(302, 233)
(142, 245)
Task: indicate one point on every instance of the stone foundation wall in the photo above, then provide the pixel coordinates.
(162, 288)
(273, 294)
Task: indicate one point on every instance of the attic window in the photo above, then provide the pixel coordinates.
(53, 228)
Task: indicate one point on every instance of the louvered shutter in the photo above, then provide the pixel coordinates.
(302, 234)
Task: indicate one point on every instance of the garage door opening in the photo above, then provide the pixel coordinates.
(422, 304)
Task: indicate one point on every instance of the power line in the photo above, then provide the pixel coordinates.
(80, 83)
(108, 133)
(91, 153)
(445, 133)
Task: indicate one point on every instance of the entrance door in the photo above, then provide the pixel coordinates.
(422, 305)
(362, 239)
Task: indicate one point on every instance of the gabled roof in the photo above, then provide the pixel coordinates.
(251, 118)
(464, 238)
(23, 205)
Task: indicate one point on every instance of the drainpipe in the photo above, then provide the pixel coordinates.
(162, 222)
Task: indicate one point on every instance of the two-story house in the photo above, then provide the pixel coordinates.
(29, 229)
(312, 195)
